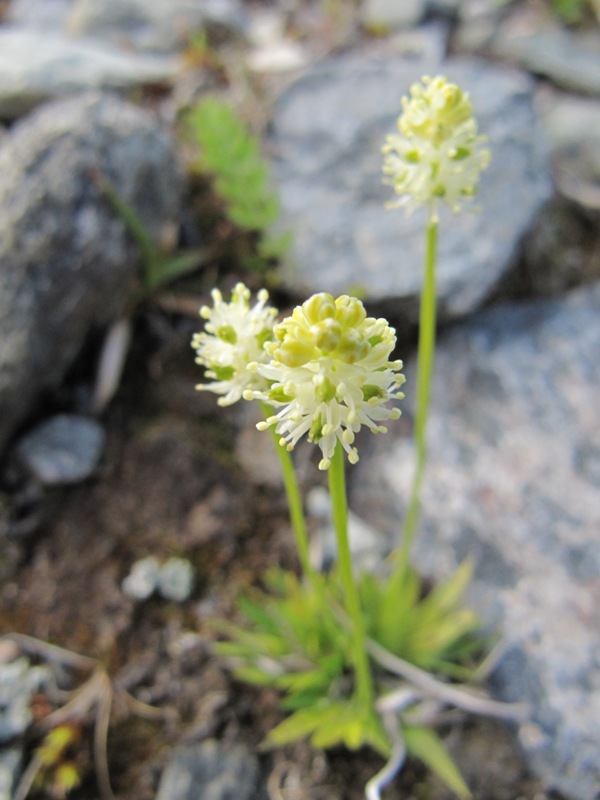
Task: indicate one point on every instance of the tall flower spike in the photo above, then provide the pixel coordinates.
(437, 154)
(329, 375)
(233, 337)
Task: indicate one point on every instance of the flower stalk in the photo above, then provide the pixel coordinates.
(435, 158)
(337, 489)
(294, 500)
(425, 361)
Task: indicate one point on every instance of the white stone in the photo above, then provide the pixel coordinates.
(176, 579)
(143, 578)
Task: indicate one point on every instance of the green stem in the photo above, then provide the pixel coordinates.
(339, 504)
(294, 501)
(425, 358)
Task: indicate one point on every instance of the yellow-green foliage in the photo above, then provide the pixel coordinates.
(569, 10)
(295, 640)
(231, 154)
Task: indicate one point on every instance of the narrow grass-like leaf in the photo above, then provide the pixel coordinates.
(426, 745)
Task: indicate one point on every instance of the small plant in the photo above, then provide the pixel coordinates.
(231, 155)
(159, 268)
(358, 659)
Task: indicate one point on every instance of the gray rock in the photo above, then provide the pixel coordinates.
(572, 128)
(563, 247)
(42, 15)
(512, 483)
(530, 36)
(568, 119)
(151, 26)
(176, 579)
(328, 131)
(444, 7)
(390, 14)
(18, 682)
(67, 264)
(210, 771)
(62, 450)
(142, 579)
(173, 580)
(570, 60)
(10, 765)
(37, 65)
(478, 21)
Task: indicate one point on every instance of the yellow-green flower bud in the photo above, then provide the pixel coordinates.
(437, 153)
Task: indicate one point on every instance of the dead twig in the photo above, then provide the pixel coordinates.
(93, 699)
(427, 685)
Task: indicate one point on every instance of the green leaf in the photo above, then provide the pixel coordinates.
(339, 728)
(275, 247)
(259, 615)
(329, 725)
(232, 155)
(394, 621)
(299, 725)
(425, 745)
(166, 270)
(254, 676)
(446, 596)
(257, 642)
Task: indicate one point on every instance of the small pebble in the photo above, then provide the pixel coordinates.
(176, 579)
(210, 771)
(143, 578)
(62, 450)
(173, 580)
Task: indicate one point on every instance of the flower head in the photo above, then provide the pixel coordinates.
(437, 153)
(233, 337)
(329, 375)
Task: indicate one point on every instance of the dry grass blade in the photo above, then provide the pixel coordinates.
(93, 700)
(459, 696)
(51, 652)
(101, 740)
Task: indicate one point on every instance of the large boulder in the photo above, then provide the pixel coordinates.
(67, 263)
(150, 26)
(38, 65)
(512, 483)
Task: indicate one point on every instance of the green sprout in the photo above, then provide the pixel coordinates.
(231, 155)
(159, 268)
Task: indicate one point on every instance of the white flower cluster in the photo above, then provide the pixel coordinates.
(326, 367)
(233, 337)
(437, 154)
(329, 375)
